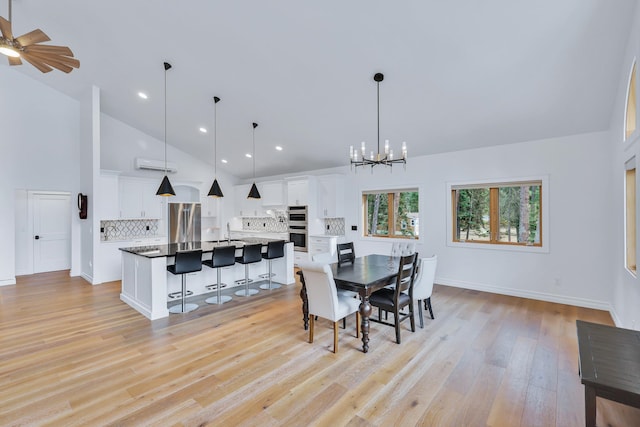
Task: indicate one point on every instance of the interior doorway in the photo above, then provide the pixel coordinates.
(43, 231)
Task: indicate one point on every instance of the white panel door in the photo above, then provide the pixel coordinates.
(51, 232)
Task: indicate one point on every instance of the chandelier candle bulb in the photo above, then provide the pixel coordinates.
(386, 146)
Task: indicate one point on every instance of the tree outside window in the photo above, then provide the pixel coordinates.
(498, 213)
(392, 213)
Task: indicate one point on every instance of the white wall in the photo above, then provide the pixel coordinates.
(40, 151)
(577, 265)
(121, 144)
(623, 286)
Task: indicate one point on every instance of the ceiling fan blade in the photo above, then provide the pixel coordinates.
(62, 63)
(5, 28)
(14, 61)
(35, 36)
(55, 50)
(36, 63)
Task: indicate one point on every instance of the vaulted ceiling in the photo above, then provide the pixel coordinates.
(458, 74)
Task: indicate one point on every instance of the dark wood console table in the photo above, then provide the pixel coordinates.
(609, 365)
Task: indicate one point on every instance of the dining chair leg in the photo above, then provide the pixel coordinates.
(335, 337)
(397, 324)
(344, 323)
(357, 324)
(428, 304)
(311, 322)
(412, 317)
(420, 314)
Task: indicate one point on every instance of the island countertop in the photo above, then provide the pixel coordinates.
(170, 249)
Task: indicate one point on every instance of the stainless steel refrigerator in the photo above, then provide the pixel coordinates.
(184, 222)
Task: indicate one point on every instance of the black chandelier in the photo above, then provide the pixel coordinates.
(378, 158)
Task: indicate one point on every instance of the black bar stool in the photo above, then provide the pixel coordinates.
(250, 254)
(186, 262)
(223, 256)
(274, 250)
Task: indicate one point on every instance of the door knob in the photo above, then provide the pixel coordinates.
(37, 237)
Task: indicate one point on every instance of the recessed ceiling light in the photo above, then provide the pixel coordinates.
(143, 95)
(279, 148)
(223, 161)
(248, 155)
(203, 130)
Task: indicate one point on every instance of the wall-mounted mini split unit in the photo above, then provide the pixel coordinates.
(154, 165)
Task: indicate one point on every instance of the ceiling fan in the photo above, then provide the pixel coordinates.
(44, 57)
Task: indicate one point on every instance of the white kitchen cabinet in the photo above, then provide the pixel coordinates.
(330, 192)
(244, 206)
(209, 206)
(272, 193)
(138, 199)
(107, 198)
(322, 244)
(299, 257)
(298, 192)
(109, 261)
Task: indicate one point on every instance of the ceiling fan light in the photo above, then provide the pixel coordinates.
(165, 188)
(9, 51)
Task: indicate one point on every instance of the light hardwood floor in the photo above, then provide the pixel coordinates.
(72, 354)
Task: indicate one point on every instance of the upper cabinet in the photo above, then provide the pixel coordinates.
(330, 192)
(138, 199)
(209, 206)
(272, 193)
(298, 192)
(108, 203)
(243, 206)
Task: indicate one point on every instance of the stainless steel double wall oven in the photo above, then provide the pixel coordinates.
(298, 221)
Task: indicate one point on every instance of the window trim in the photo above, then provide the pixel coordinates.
(630, 165)
(632, 78)
(506, 246)
(384, 189)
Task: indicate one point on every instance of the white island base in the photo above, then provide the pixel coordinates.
(146, 283)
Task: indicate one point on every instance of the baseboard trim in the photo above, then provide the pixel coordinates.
(87, 277)
(541, 296)
(8, 282)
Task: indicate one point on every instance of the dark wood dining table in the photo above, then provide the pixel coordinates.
(365, 275)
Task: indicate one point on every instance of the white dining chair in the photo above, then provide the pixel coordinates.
(423, 285)
(324, 301)
(403, 248)
(327, 258)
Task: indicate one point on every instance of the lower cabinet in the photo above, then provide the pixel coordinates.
(323, 244)
(109, 260)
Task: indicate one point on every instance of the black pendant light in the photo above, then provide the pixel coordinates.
(254, 193)
(215, 190)
(165, 188)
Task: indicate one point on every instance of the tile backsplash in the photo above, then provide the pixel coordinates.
(267, 224)
(334, 226)
(128, 229)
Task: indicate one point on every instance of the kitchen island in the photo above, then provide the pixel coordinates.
(148, 287)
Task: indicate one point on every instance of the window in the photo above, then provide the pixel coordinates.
(501, 213)
(630, 215)
(630, 117)
(391, 213)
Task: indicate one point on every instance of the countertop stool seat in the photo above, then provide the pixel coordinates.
(185, 262)
(223, 256)
(274, 250)
(250, 254)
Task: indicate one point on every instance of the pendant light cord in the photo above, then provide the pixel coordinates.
(10, 11)
(254, 151)
(215, 136)
(378, 117)
(165, 118)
